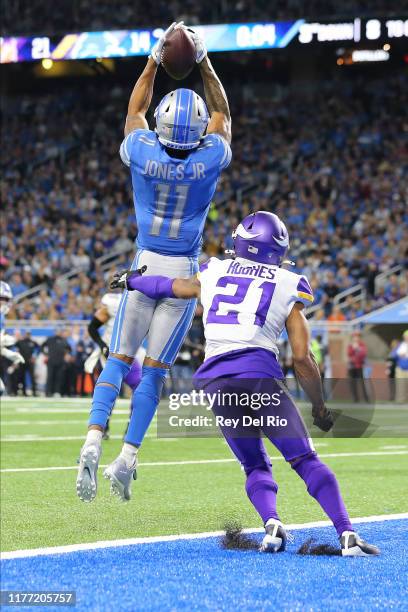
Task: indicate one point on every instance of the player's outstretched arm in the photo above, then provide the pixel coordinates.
(141, 98)
(216, 98)
(157, 287)
(142, 93)
(217, 101)
(306, 369)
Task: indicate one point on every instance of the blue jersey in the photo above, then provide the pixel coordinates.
(172, 196)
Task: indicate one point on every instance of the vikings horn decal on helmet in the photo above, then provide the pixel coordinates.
(261, 237)
(181, 119)
(6, 296)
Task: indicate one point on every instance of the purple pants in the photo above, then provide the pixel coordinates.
(134, 376)
(292, 441)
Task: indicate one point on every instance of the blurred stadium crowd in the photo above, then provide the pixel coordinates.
(331, 160)
(31, 17)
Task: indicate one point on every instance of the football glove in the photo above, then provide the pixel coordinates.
(201, 49)
(120, 279)
(157, 49)
(105, 350)
(322, 418)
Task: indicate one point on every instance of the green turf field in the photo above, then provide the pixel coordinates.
(39, 507)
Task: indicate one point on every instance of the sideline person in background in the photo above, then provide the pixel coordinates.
(357, 354)
(401, 370)
(28, 349)
(55, 348)
(391, 367)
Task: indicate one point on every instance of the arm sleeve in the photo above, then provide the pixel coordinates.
(304, 293)
(130, 149)
(93, 327)
(219, 149)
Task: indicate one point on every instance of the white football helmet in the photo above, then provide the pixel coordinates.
(6, 297)
(181, 119)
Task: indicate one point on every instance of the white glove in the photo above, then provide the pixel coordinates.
(158, 47)
(201, 49)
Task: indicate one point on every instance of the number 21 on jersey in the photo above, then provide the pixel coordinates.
(248, 298)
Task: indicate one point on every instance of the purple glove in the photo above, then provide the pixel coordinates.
(155, 287)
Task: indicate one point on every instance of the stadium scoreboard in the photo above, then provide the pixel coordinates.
(218, 37)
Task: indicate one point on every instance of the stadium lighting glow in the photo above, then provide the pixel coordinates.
(367, 55)
(47, 64)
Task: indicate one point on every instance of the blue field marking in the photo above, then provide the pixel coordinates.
(199, 575)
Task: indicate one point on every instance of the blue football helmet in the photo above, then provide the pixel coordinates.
(181, 119)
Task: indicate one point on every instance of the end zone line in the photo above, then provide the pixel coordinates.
(56, 550)
(205, 461)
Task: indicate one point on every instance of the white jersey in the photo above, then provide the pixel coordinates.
(246, 304)
(111, 302)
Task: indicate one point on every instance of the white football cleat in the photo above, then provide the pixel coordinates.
(353, 546)
(121, 476)
(275, 537)
(86, 484)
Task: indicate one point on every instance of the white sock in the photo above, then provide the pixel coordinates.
(94, 436)
(128, 453)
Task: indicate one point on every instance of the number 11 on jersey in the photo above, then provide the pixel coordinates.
(163, 191)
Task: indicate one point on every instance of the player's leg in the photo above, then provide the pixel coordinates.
(320, 481)
(131, 325)
(170, 323)
(132, 380)
(260, 485)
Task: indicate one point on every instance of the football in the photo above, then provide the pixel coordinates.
(178, 55)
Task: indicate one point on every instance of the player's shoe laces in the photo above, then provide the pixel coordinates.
(275, 537)
(353, 546)
(86, 484)
(121, 476)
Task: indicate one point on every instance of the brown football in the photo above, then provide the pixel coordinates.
(178, 54)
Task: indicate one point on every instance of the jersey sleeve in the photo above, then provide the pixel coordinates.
(206, 266)
(304, 293)
(109, 301)
(217, 150)
(130, 148)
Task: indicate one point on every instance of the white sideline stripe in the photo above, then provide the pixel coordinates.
(31, 438)
(201, 461)
(56, 550)
(393, 446)
(55, 411)
(58, 423)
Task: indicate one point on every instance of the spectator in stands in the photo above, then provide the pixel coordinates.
(401, 370)
(357, 355)
(343, 200)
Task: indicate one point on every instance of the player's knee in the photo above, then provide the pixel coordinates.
(124, 358)
(104, 384)
(153, 363)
